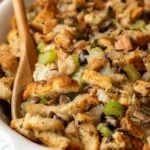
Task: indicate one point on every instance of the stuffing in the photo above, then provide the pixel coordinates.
(136, 13)
(5, 88)
(49, 25)
(141, 116)
(96, 63)
(128, 13)
(79, 2)
(52, 139)
(42, 124)
(64, 38)
(13, 40)
(141, 38)
(135, 59)
(117, 78)
(132, 128)
(96, 112)
(43, 72)
(90, 87)
(43, 2)
(106, 42)
(75, 144)
(115, 55)
(73, 134)
(83, 118)
(146, 147)
(52, 87)
(95, 17)
(8, 62)
(46, 14)
(38, 37)
(147, 63)
(102, 95)
(99, 4)
(18, 126)
(67, 66)
(136, 143)
(94, 78)
(64, 111)
(118, 142)
(72, 130)
(142, 87)
(89, 136)
(123, 43)
(80, 45)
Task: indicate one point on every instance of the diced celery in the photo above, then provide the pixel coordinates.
(76, 60)
(77, 75)
(113, 108)
(138, 25)
(105, 131)
(41, 46)
(43, 100)
(131, 72)
(47, 57)
(96, 52)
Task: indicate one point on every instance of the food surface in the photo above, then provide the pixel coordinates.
(91, 88)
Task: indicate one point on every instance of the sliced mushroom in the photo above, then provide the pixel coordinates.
(141, 116)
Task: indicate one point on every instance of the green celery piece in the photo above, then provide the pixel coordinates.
(96, 52)
(41, 46)
(139, 24)
(47, 57)
(43, 100)
(131, 72)
(113, 108)
(76, 60)
(77, 75)
(105, 131)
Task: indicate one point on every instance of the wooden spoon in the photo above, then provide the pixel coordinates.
(28, 58)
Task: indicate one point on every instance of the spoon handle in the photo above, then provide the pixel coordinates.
(21, 18)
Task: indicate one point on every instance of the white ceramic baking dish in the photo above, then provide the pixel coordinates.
(16, 141)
